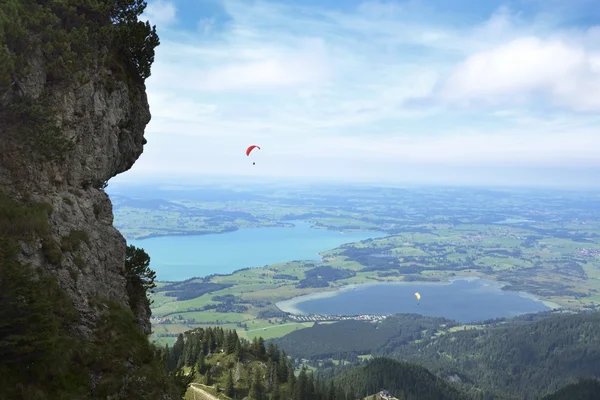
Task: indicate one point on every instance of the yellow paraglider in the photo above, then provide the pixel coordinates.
(418, 296)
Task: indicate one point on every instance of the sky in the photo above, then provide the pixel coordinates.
(453, 92)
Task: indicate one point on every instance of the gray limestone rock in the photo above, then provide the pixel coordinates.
(105, 119)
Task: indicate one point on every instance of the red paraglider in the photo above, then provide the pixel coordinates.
(249, 150)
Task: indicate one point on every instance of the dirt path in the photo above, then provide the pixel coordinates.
(200, 394)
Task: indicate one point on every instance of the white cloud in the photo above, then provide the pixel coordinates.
(171, 107)
(160, 12)
(566, 72)
(242, 67)
(334, 92)
(309, 66)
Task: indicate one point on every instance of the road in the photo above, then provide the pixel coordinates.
(201, 394)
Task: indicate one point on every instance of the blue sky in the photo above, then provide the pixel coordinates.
(436, 91)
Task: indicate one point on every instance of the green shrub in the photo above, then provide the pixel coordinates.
(73, 240)
(97, 209)
(51, 250)
(73, 273)
(121, 339)
(22, 221)
(37, 353)
(35, 124)
(79, 263)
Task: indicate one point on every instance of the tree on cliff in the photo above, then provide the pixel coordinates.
(137, 264)
(135, 39)
(69, 33)
(140, 278)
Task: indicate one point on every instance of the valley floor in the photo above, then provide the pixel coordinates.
(544, 244)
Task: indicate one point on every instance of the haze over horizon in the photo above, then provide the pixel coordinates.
(495, 93)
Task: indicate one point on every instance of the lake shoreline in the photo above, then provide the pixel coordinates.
(180, 257)
(189, 233)
(204, 233)
(290, 306)
(237, 228)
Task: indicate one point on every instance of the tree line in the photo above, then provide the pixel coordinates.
(240, 368)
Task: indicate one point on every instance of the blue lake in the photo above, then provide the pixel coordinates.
(461, 300)
(176, 258)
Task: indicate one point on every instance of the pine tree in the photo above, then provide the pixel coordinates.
(188, 356)
(211, 345)
(310, 387)
(339, 393)
(262, 352)
(256, 388)
(275, 395)
(291, 379)
(220, 337)
(177, 352)
(228, 343)
(201, 363)
(273, 352)
(229, 387)
(283, 368)
(235, 339)
(300, 388)
(197, 348)
(167, 358)
(351, 392)
(238, 350)
(254, 346)
(331, 391)
(321, 388)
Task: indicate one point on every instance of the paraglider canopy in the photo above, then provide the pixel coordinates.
(418, 296)
(250, 148)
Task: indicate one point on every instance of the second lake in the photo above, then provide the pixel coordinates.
(462, 300)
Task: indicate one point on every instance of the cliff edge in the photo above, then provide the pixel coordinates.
(73, 110)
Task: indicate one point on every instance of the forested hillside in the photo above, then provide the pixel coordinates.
(587, 389)
(359, 337)
(519, 360)
(227, 365)
(523, 358)
(405, 381)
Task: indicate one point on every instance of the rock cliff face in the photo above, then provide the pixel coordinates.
(105, 119)
(74, 317)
